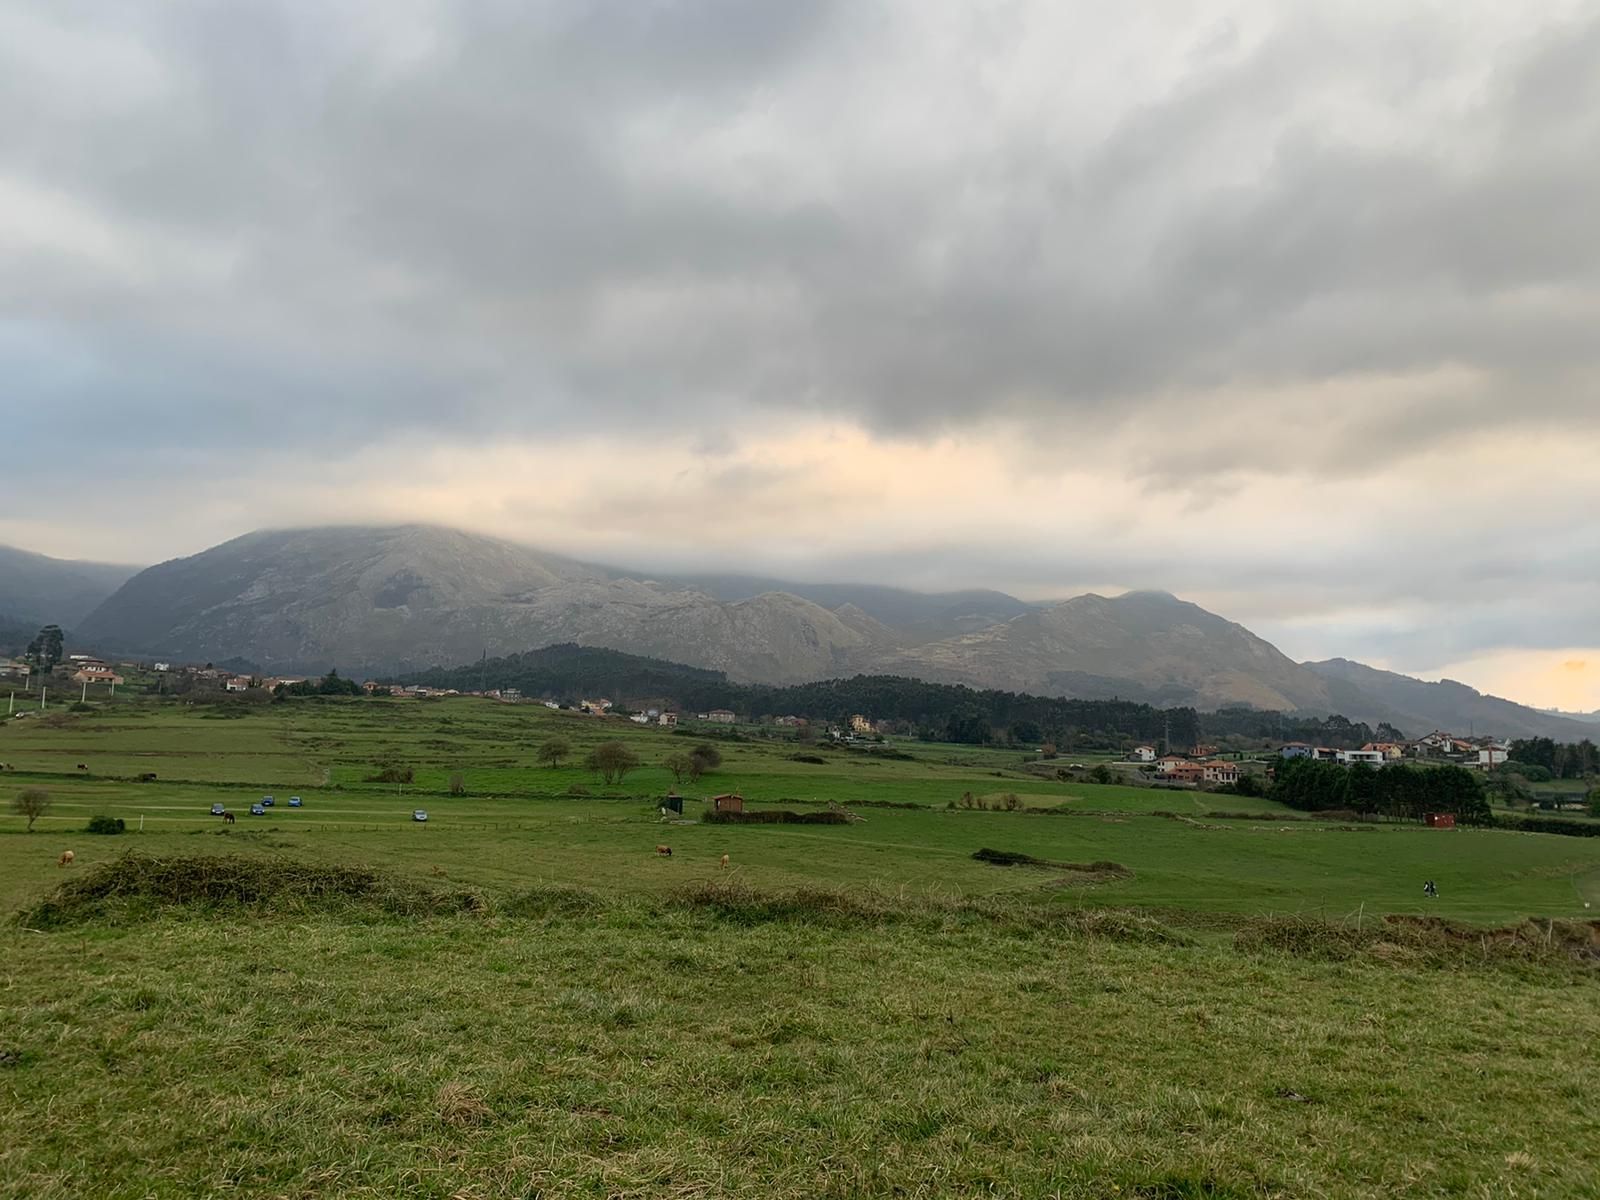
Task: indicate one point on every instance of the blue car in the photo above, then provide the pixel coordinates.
(268, 801)
(257, 811)
(294, 801)
(218, 809)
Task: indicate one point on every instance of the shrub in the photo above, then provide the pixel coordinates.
(391, 774)
(815, 760)
(458, 783)
(104, 824)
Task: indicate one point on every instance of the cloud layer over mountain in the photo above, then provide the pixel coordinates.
(1285, 309)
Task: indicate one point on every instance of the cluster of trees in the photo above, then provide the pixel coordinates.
(612, 761)
(331, 684)
(1562, 760)
(1400, 791)
(47, 648)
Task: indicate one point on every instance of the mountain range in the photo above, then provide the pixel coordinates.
(387, 600)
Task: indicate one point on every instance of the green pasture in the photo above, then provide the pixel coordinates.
(882, 1015)
(516, 822)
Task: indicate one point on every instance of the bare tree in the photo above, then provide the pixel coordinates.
(553, 751)
(611, 761)
(681, 766)
(32, 803)
(458, 783)
(705, 758)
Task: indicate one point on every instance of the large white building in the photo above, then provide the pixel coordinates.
(1373, 758)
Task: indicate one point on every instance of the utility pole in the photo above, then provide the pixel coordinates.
(84, 699)
(43, 692)
(11, 704)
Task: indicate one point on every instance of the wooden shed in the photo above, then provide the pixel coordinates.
(1439, 820)
(729, 802)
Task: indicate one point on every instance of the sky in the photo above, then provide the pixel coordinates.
(1291, 309)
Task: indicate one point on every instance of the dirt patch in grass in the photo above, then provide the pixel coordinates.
(1071, 874)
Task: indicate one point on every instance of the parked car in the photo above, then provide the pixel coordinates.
(218, 809)
(257, 811)
(419, 814)
(294, 801)
(268, 801)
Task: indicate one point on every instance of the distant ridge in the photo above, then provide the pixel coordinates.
(392, 599)
(36, 589)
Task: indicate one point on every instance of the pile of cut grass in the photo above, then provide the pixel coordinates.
(1426, 942)
(138, 884)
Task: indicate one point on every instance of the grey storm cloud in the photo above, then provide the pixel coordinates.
(505, 218)
(1241, 256)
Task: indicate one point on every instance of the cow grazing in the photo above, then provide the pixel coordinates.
(664, 851)
(66, 858)
(724, 862)
(83, 766)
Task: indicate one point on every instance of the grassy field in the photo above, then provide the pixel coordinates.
(1227, 1015)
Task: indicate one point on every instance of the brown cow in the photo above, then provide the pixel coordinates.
(66, 858)
(724, 862)
(666, 851)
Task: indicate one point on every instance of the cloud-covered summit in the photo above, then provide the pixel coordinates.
(1245, 298)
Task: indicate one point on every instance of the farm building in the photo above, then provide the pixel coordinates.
(730, 802)
(1439, 820)
(1219, 772)
(1295, 750)
(1143, 754)
(668, 719)
(721, 716)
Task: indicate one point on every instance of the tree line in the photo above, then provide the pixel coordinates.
(936, 711)
(1563, 760)
(1400, 791)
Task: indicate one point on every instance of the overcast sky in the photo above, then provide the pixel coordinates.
(1291, 309)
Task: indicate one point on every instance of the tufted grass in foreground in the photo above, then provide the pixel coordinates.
(725, 1042)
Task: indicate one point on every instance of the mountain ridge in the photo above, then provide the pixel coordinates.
(40, 589)
(390, 599)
